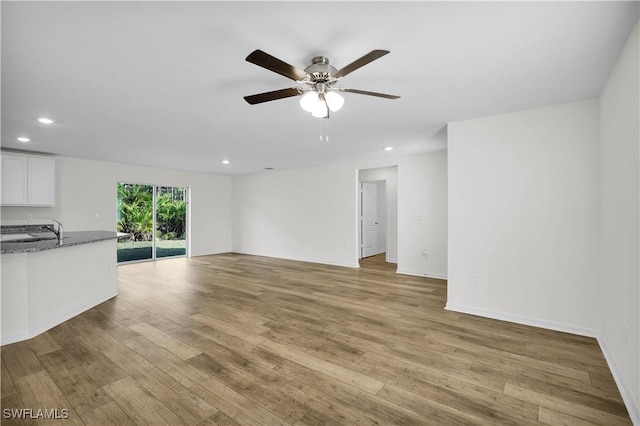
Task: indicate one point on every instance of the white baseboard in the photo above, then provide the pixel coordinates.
(421, 274)
(520, 319)
(299, 259)
(633, 407)
(41, 328)
(623, 387)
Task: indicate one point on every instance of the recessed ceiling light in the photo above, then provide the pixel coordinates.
(45, 120)
(23, 139)
(388, 148)
(225, 161)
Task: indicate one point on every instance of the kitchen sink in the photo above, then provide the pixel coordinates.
(24, 238)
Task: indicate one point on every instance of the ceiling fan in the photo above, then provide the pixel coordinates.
(319, 96)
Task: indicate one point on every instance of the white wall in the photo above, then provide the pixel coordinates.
(387, 177)
(619, 230)
(306, 214)
(312, 214)
(523, 216)
(86, 188)
(422, 215)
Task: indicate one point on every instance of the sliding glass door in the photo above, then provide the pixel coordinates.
(171, 221)
(135, 217)
(155, 217)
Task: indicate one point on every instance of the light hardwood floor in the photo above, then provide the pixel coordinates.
(235, 339)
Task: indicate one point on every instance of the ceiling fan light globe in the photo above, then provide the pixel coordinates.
(308, 101)
(320, 110)
(334, 101)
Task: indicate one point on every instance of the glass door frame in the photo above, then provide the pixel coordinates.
(186, 195)
(187, 225)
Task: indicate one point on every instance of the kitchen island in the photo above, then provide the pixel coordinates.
(46, 281)
(69, 239)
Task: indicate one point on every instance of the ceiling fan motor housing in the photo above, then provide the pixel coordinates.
(320, 71)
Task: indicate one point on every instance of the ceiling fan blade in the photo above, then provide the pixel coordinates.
(364, 92)
(274, 64)
(369, 57)
(274, 95)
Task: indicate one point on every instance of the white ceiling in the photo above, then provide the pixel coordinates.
(162, 83)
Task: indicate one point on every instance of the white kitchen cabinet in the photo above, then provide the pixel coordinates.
(14, 180)
(28, 180)
(41, 181)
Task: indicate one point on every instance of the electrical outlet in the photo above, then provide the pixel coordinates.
(97, 216)
(475, 280)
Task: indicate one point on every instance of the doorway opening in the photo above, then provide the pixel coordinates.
(377, 262)
(378, 218)
(155, 218)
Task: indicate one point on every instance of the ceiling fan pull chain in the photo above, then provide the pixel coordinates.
(324, 129)
(326, 126)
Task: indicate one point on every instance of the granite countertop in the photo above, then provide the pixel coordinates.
(73, 238)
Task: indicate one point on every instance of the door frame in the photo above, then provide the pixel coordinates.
(187, 199)
(377, 182)
(389, 175)
(362, 220)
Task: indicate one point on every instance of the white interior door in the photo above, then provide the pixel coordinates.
(368, 203)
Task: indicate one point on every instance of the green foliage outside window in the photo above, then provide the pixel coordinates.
(170, 218)
(135, 212)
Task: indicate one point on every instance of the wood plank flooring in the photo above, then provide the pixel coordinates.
(234, 339)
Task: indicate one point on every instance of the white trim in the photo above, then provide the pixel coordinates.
(321, 262)
(633, 407)
(422, 274)
(520, 319)
(41, 328)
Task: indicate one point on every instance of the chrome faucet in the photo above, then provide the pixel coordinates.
(60, 232)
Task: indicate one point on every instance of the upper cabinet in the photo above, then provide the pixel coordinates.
(28, 180)
(14, 180)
